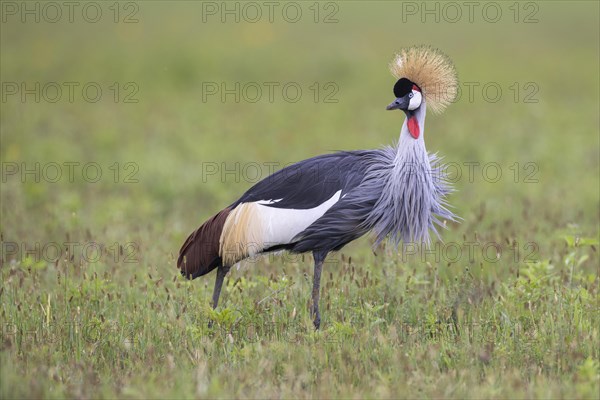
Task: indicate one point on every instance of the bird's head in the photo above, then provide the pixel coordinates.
(408, 99)
(425, 75)
(408, 96)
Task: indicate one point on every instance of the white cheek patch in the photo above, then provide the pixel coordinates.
(415, 102)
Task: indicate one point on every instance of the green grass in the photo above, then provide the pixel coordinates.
(524, 323)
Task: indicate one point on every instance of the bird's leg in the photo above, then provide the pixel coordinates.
(221, 272)
(319, 258)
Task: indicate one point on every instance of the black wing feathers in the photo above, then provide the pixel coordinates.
(308, 183)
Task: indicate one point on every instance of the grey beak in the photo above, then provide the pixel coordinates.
(399, 103)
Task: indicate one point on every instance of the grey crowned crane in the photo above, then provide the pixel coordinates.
(321, 204)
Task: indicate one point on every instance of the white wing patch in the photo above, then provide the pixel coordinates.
(252, 227)
(268, 201)
(281, 225)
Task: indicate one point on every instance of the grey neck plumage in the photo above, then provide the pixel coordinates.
(412, 198)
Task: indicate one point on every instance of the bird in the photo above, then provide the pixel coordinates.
(397, 192)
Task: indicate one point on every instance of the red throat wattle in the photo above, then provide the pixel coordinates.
(413, 127)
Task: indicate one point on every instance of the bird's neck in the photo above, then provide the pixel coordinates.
(408, 143)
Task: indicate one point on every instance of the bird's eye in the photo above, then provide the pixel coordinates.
(410, 95)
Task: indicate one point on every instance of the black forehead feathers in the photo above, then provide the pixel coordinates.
(402, 87)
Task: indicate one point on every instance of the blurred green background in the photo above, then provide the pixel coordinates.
(543, 55)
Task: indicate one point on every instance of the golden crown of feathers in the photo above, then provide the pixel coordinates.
(431, 70)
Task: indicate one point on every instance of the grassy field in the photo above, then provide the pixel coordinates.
(99, 191)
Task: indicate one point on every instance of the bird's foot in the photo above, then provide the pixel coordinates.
(316, 319)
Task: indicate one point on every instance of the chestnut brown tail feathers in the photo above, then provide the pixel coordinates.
(200, 253)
